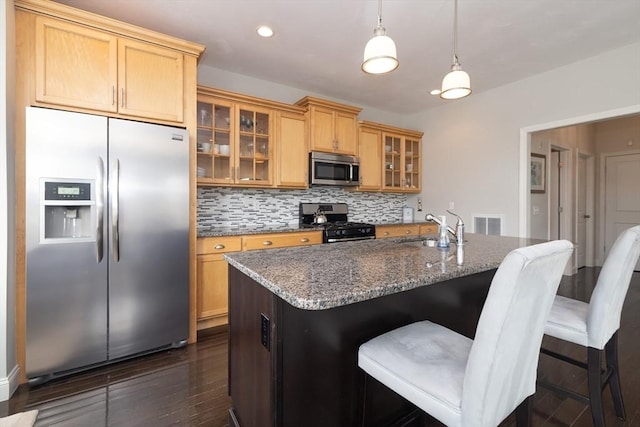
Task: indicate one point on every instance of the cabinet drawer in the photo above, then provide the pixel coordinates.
(384, 231)
(215, 245)
(280, 240)
(428, 229)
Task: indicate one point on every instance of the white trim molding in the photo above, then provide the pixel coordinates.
(9, 384)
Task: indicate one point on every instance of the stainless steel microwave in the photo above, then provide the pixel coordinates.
(333, 169)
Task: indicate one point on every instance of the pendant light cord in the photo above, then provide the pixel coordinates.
(455, 32)
(379, 13)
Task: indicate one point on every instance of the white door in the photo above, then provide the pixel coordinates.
(554, 195)
(622, 196)
(583, 217)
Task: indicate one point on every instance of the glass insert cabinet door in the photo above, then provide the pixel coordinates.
(411, 164)
(392, 161)
(254, 146)
(401, 163)
(233, 144)
(214, 143)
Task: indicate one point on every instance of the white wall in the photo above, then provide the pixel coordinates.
(472, 146)
(221, 79)
(8, 366)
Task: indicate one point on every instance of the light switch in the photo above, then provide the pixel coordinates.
(536, 210)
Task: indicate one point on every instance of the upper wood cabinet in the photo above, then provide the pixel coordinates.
(84, 62)
(75, 66)
(292, 153)
(150, 81)
(249, 142)
(402, 161)
(333, 127)
(234, 143)
(370, 148)
(85, 68)
(390, 158)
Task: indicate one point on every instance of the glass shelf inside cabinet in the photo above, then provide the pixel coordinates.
(204, 168)
(205, 115)
(222, 117)
(204, 141)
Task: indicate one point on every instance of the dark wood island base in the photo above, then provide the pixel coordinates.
(295, 367)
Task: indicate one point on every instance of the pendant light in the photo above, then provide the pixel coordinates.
(456, 84)
(380, 52)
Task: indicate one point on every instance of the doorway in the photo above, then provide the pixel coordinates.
(621, 196)
(585, 226)
(587, 193)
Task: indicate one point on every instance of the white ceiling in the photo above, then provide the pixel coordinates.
(318, 44)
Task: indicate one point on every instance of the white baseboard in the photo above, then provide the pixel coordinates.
(9, 384)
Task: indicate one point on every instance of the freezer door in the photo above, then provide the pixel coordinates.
(149, 237)
(66, 282)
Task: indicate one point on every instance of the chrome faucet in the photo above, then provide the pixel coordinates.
(458, 232)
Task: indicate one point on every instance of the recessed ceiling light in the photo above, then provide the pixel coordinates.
(264, 31)
(435, 92)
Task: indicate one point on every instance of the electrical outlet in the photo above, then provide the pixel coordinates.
(451, 206)
(265, 333)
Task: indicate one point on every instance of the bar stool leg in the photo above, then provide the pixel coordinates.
(594, 362)
(523, 412)
(611, 353)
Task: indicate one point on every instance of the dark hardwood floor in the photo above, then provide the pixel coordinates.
(188, 387)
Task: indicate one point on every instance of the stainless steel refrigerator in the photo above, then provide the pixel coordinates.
(107, 240)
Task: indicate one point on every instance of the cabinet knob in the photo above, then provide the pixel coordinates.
(219, 246)
(386, 233)
(304, 240)
(408, 232)
(267, 243)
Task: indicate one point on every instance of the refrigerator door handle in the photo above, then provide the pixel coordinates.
(115, 210)
(99, 210)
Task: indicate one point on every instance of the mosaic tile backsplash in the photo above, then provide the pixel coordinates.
(233, 207)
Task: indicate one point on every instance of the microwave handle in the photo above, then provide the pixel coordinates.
(350, 173)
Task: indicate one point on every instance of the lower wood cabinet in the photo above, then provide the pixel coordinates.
(280, 240)
(428, 229)
(405, 230)
(213, 270)
(397, 230)
(212, 280)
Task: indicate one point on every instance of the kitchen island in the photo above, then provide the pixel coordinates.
(297, 317)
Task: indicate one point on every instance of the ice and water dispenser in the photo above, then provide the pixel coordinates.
(67, 209)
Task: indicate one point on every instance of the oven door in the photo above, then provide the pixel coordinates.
(333, 171)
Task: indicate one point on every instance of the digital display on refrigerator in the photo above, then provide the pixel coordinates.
(67, 190)
(72, 191)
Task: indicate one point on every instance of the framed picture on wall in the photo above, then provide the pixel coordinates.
(538, 172)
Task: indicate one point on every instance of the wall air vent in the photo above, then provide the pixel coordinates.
(490, 224)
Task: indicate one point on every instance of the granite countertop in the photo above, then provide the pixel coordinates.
(277, 228)
(325, 276)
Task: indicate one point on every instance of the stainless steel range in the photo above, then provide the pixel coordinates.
(332, 219)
